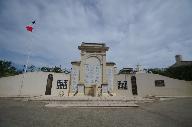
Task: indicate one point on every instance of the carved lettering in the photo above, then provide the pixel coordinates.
(62, 84)
(122, 85)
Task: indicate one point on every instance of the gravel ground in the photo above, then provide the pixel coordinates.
(168, 113)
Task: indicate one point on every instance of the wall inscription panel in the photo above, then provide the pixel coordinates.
(74, 79)
(62, 84)
(92, 71)
(159, 83)
(110, 78)
(122, 85)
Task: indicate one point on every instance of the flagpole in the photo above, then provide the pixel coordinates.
(28, 56)
(27, 62)
(30, 29)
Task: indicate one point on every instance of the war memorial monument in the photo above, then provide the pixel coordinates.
(93, 77)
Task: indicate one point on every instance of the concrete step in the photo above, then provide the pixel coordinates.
(66, 104)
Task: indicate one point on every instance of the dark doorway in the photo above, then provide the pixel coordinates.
(134, 85)
(49, 84)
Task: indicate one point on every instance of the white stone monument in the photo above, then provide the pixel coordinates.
(92, 70)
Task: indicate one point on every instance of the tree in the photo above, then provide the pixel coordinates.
(46, 69)
(57, 69)
(181, 72)
(6, 69)
(160, 71)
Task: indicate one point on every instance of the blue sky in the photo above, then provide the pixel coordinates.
(146, 32)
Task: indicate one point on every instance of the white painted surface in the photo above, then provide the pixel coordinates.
(60, 92)
(173, 87)
(122, 92)
(34, 84)
(31, 84)
(146, 86)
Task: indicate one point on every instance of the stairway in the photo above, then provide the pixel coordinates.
(91, 103)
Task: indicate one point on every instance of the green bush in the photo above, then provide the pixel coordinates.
(181, 72)
(6, 69)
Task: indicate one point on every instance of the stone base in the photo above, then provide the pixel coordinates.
(71, 94)
(80, 94)
(89, 103)
(105, 94)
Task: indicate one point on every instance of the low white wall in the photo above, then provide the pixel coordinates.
(10, 86)
(60, 92)
(34, 84)
(31, 84)
(122, 92)
(146, 85)
(173, 87)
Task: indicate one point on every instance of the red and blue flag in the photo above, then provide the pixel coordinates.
(30, 27)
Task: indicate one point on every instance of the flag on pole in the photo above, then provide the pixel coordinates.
(33, 22)
(30, 27)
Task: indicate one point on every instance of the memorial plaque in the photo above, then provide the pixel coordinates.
(74, 79)
(80, 88)
(110, 78)
(104, 88)
(159, 83)
(92, 71)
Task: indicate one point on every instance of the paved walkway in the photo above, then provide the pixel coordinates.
(167, 113)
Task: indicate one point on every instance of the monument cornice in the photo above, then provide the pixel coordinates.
(76, 62)
(110, 63)
(93, 47)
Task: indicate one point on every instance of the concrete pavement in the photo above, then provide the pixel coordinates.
(167, 113)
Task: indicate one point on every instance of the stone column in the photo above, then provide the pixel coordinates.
(81, 80)
(104, 74)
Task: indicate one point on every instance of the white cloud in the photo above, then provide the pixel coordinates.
(147, 32)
